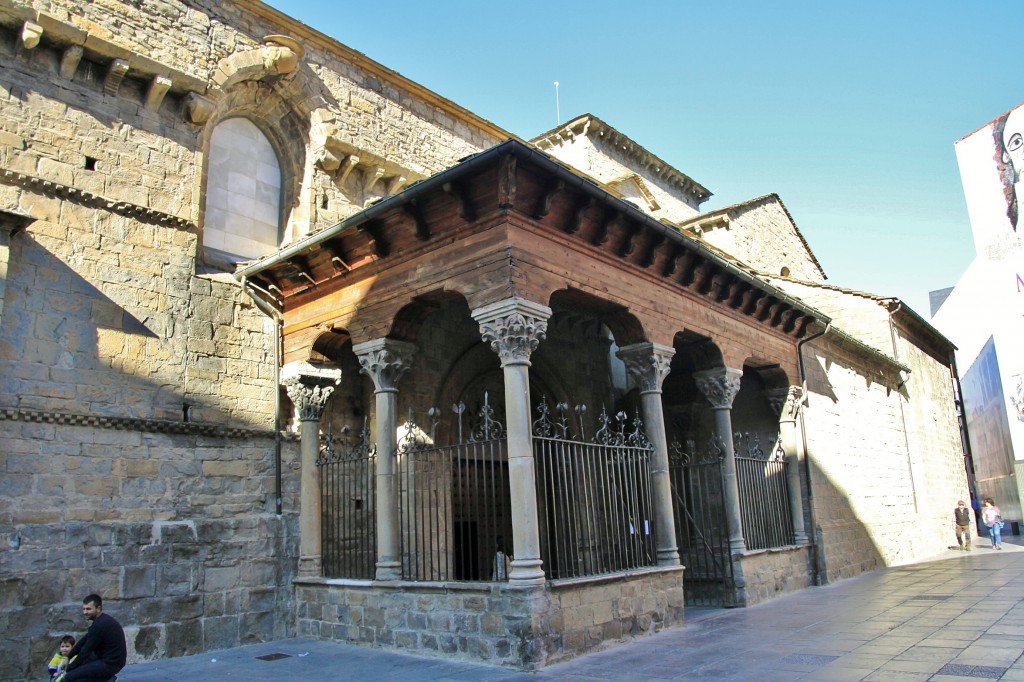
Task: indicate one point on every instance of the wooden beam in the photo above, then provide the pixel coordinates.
(337, 256)
(378, 243)
(458, 194)
(672, 263)
(412, 210)
(611, 222)
(572, 226)
(301, 263)
(654, 240)
(548, 197)
(629, 235)
(507, 181)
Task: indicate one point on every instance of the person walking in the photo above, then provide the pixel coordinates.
(993, 518)
(962, 523)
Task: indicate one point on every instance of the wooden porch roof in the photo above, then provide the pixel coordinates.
(515, 178)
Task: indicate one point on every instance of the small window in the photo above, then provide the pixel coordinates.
(90, 163)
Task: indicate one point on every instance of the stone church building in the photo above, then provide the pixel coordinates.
(292, 346)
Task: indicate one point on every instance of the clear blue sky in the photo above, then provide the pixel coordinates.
(848, 111)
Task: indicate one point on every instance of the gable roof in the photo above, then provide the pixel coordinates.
(589, 125)
(764, 198)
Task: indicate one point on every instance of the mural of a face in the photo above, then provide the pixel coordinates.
(1013, 142)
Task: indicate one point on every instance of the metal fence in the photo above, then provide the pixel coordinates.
(347, 466)
(764, 494)
(594, 498)
(454, 502)
(702, 534)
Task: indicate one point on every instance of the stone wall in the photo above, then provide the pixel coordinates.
(769, 573)
(138, 389)
(863, 471)
(492, 623)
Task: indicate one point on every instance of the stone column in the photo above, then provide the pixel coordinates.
(309, 386)
(648, 364)
(787, 401)
(513, 328)
(720, 385)
(385, 361)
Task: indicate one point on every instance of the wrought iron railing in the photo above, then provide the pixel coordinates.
(594, 498)
(454, 502)
(347, 466)
(764, 493)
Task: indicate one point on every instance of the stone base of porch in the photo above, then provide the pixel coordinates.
(768, 573)
(491, 622)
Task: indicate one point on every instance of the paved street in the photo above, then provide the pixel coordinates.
(957, 617)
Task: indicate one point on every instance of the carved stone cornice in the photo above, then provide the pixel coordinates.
(786, 401)
(648, 364)
(78, 196)
(132, 424)
(309, 386)
(513, 328)
(719, 385)
(385, 361)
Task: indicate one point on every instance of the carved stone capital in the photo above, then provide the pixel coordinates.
(385, 361)
(719, 385)
(513, 328)
(309, 386)
(786, 401)
(648, 364)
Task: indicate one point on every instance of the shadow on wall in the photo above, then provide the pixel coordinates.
(105, 488)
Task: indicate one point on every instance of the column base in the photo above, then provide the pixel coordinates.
(388, 570)
(310, 566)
(526, 573)
(737, 546)
(801, 539)
(668, 556)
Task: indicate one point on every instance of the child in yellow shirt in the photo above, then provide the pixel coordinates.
(59, 663)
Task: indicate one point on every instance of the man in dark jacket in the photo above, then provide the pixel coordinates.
(101, 654)
(962, 521)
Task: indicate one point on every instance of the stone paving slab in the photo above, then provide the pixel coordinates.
(959, 617)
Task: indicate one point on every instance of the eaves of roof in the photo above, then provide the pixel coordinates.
(892, 305)
(562, 172)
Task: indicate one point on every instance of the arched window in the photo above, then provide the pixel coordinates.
(243, 193)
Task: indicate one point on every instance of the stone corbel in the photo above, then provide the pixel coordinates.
(396, 184)
(347, 166)
(30, 35)
(115, 74)
(198, 108)
(326, 160)
(158, 88)
(69, 61)
(373, 174)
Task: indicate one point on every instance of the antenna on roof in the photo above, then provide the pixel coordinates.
(558, 111)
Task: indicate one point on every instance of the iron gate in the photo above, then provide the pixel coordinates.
(348, 467)
(702, 534)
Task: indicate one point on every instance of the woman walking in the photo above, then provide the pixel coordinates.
(992, 517)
